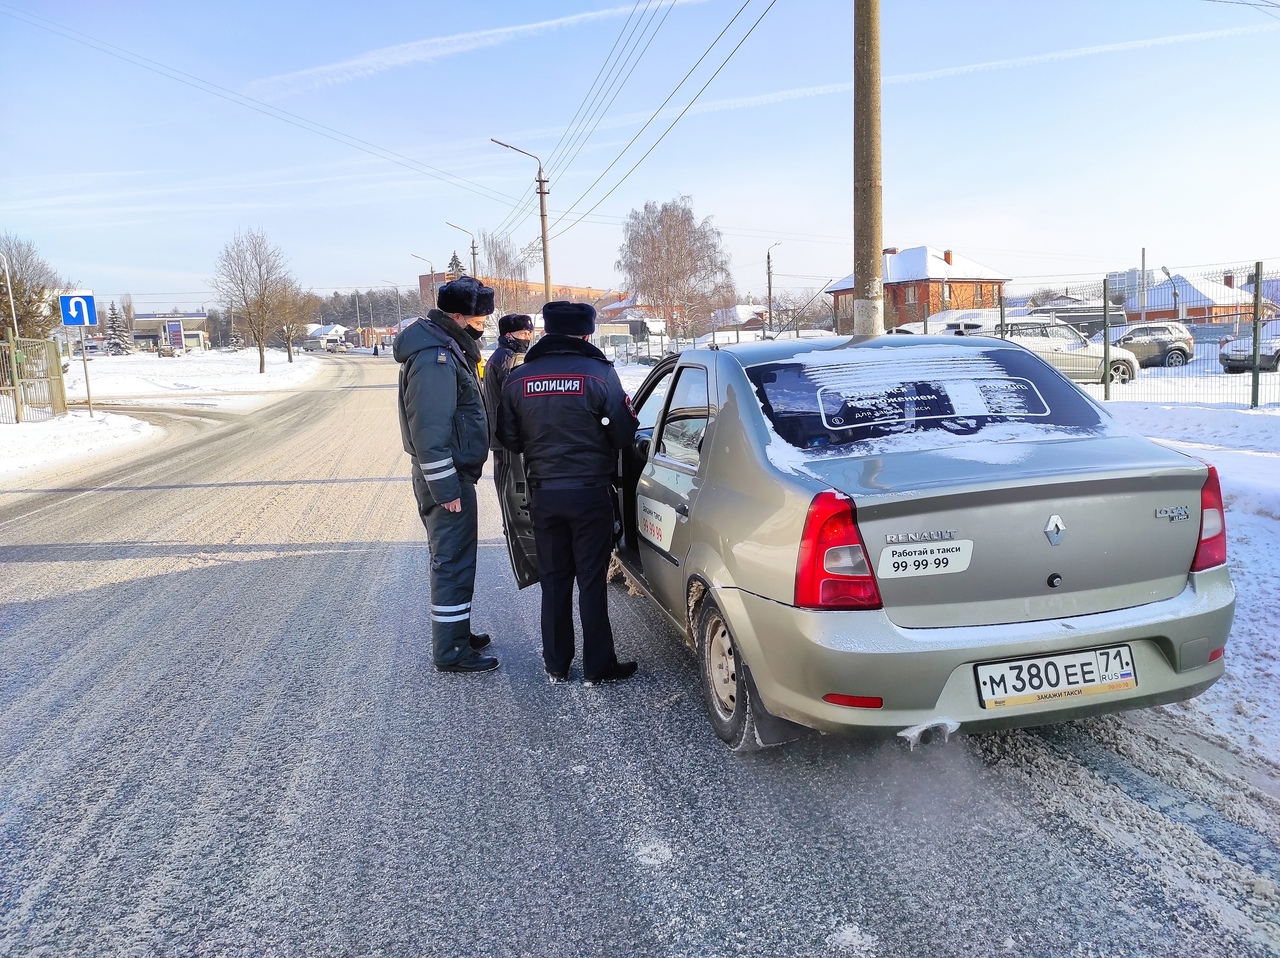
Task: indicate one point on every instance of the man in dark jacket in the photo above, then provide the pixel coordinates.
(566, 411)
(515, 332)
(446, 433)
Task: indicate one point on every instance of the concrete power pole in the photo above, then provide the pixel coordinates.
(868, 273)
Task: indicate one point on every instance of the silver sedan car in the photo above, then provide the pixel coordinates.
(912, 535)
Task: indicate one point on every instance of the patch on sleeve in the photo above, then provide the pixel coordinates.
(553, 386)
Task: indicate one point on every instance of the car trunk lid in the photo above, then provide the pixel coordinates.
(993, 533)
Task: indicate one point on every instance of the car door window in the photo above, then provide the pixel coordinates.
(650, 407)
(686, 419)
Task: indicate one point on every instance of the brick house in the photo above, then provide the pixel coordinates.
(923, 281)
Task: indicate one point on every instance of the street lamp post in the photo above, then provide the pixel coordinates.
(475, 270)
(542, 202)
(768, 265)
(13, 312)
(396, 287)
(1174, 286)
(433, 278)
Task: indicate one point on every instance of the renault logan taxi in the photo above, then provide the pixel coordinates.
(904, 533)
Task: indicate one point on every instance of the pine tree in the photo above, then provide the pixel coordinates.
(118, 340)
(455, 265)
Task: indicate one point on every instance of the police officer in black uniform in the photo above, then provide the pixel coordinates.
(566, 411)
(515, 332)
(446, 432)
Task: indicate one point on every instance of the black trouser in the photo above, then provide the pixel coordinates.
(573, 529)
(452, 538)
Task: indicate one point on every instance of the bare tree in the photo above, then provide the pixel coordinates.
(35, 288)
(675, 265)
(253, 280)
(506, 269)
(297, 308)
(126, 311)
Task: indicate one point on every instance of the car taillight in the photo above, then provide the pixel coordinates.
(833, 571)
(1212, 548)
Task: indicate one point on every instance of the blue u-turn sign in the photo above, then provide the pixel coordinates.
(78, 309)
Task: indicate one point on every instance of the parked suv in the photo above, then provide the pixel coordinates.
(1156, 344)
(1237, 355)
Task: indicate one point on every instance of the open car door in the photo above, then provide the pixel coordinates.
(517, 523)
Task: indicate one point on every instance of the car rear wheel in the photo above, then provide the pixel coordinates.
(725, 689)
(1120, 373)
(1176, 357)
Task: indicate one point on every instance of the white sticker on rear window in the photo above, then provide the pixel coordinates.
(850, 405)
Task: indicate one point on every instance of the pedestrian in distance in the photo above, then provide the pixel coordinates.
(564, 409)
(446, 434)
(375, 349)
(515, 333)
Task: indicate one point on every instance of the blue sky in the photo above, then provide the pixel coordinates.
(1050, 141)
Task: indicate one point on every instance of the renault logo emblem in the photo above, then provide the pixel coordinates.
(1055, 530)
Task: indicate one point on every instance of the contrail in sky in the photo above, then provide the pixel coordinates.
(1073, 54)
(388, 58)
(801, 93)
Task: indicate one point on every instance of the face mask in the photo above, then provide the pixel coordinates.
(474, 333)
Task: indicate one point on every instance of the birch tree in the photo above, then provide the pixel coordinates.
(674, 265)
(253, 281)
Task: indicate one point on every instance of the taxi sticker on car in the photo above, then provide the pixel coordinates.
(924, 558)
(656, 521)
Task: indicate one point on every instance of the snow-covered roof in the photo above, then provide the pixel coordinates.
(921, 263)
(1270, 289)
(331, 330)
(737, 315)
(1194, 292)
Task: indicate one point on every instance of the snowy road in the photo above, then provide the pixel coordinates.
(220, 734)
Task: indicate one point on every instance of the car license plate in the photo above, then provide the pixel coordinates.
(1054, 678)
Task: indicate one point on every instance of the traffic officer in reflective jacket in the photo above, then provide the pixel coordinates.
(446, 433)
(566, 411)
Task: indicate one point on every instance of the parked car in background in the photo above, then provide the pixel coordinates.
(1059, 344)
(1155, 344)
(1237, 355)
(911, 534)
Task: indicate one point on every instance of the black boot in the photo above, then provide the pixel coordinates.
(479, 641)
(616, 672)
(471, 662)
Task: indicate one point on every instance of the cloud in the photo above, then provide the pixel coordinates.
(421, 51)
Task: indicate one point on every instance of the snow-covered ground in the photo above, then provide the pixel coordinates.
(211, 380)
(1243, 443)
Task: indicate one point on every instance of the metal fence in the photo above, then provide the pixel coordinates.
(31, 384)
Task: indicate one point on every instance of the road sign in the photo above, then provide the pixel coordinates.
(79, 309)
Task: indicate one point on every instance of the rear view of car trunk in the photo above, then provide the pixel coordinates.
(1049, 534)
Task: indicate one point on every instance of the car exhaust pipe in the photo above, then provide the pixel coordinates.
(927, 732)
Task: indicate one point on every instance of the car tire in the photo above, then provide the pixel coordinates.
(1175, 357)
(1121, 373)
(1275, 363)
(725, 689)
(1234, 370)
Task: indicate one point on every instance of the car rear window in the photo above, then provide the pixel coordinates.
(842, 397)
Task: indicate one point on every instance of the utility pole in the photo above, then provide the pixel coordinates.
(768, 266)
(543, 191)
(868, 270)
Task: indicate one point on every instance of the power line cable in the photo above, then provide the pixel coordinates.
(656, 112)
(672, 125)
(526, 199)
(293, 119)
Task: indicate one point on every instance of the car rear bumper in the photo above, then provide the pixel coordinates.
(927, 676)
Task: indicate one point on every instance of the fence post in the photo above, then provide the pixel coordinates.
(1106, 340)
(13, 364)
(1257, 330)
